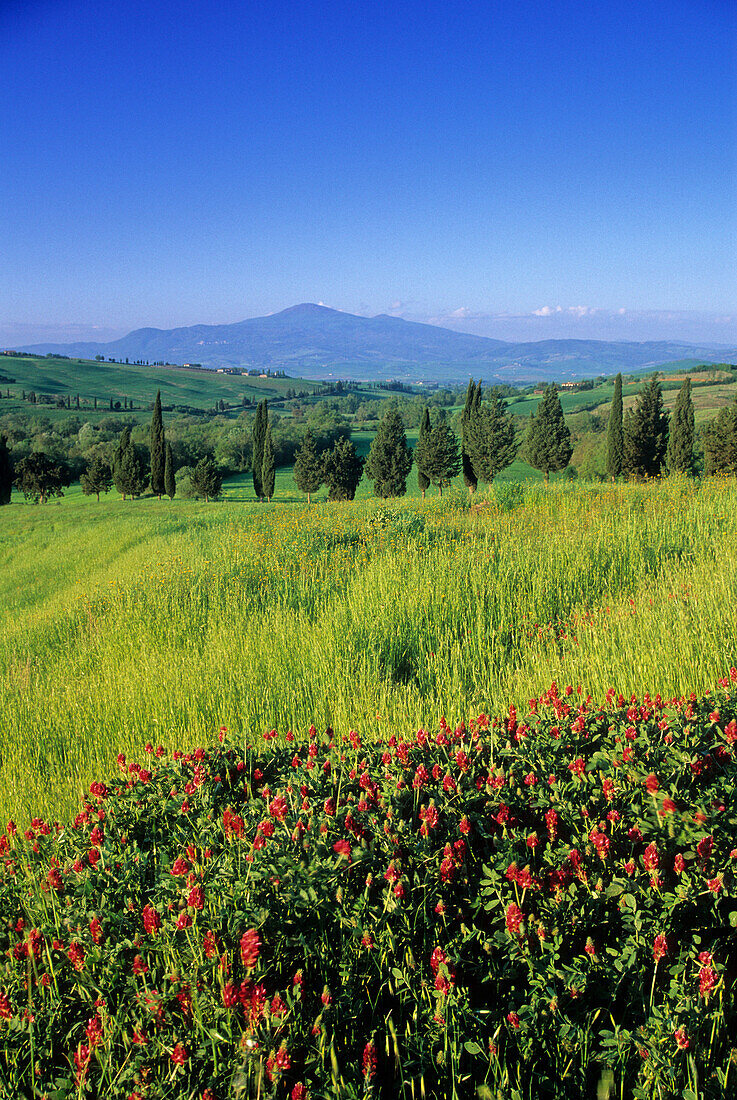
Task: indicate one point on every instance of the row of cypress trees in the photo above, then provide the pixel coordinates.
(264, 455)
(644, 442)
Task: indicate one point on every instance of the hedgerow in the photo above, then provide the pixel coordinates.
(534, 906)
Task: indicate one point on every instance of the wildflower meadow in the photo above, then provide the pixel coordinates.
(372, 800)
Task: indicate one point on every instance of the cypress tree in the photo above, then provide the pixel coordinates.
(308, 466)
(438, 454)
(268, 466)
(97, 478)
(389, 459)
(720, 442)
(157, 445)
(548, 442)
(468, 418)
(259, 435)
(681, 436)
(423, 481)
(170, 481)
(614, 433)
(6, 472)
(645, 430)
(492, 440)
(342, 470)
(118, 473)
(129, 473)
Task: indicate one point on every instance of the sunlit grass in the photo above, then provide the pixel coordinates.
(124, 623)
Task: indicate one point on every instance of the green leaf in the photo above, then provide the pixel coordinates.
(473, 1047)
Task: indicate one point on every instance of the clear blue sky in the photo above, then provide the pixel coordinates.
(174, 163)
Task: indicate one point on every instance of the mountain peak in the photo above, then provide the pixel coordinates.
(304, 308)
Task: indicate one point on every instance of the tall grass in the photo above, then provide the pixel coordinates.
(161, 622)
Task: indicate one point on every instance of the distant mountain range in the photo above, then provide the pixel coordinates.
(312, 341)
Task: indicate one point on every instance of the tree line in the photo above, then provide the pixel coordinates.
(643, 443)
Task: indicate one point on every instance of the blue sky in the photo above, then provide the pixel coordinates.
(176, 163)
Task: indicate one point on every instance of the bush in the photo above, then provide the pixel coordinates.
(545, 905)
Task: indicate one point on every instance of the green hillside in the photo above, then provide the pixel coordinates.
(179, 385)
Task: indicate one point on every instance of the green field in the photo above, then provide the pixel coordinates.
(179, 386)
(123, 623)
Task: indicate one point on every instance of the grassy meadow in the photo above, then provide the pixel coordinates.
(161, 621)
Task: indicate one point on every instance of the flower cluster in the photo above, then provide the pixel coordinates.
(342, 908)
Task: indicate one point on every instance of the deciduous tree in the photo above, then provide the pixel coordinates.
(39, 477)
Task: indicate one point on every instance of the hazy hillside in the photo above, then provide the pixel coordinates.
(312, 341)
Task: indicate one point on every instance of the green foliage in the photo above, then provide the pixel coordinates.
(39, 477)
(390, 459)
(258, 438)
(268, 466)
(437, 454)
(490, 436)
(521, 904)
(615, 433)
(720, 442)
(157, 446)
(681, 435)
(645, 432)
(423, 481)
(6, 472)
(129, 467)
(207, 481)
(308, 466)
(170, 483)
(97, 478)
(548, 442)
(468, 416)
(342, 470)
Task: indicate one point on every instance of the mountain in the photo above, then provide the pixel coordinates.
(313, 341)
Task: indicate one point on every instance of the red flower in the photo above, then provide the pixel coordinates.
(660, 947)
(196, 898)
(707, 980)
(230, 995)
(151, 919)
(651, 858)
(679, 864)
(75, 953)
(369, 1060)
(343, 848)
(514, 918)
(681, 1038)
(95, 930)
(250, 946)
(513, 1020)
(278, 808)
(139, 965)
(299, 1092)
(179, 1055)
